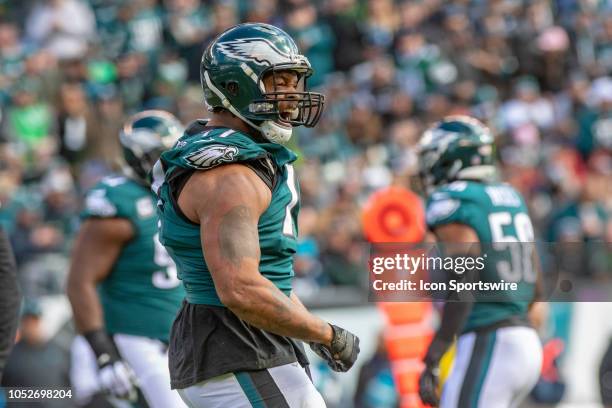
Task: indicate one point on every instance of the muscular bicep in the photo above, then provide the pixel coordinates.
(458, 241)
(228, 202)
(97, 247)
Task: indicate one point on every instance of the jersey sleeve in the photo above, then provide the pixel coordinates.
(201, 149)
(451, 205)
(202, 152)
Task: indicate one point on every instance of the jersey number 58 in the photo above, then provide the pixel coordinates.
(520, 246)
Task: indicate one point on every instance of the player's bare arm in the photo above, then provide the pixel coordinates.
(227, 202)
(538, 308)
(296, 300)
(95, 251)
(454, 314)
(469, 245)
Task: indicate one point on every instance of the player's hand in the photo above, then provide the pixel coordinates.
(428, 386)
(116, 376)
(118, 380)
(343, 351)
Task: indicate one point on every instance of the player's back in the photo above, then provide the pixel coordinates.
(498, 215)
(142, 293)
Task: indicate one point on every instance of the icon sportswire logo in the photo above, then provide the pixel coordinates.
(257, 50)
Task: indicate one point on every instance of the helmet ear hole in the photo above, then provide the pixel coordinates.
(232, 87)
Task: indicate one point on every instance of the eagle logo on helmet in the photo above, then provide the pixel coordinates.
(212, 156)
(257, 50)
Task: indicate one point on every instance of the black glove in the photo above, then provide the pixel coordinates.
(428, 386)
(343, 351)
(428, 382)
(116, 376)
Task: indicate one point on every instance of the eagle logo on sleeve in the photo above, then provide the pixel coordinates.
(211, 156)
(98, 204)
(441, 209)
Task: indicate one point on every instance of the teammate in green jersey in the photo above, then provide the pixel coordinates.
(228, 208)
(122, 284)
(498, 354)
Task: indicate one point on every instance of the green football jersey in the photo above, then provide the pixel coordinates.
(205, 149)
(142, 293)
(498, 214)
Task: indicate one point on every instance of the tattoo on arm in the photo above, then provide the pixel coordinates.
(230, 241)
(237, 237)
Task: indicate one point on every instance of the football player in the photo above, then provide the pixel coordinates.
(122, 284)
(498, 355)
(229, 200)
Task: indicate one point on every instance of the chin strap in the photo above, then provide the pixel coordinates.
(275, 132)
(271, 130)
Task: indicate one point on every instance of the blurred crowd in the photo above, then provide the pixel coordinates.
(538, 72)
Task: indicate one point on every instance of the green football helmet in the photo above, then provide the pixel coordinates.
(455, 148)
(232, 71)
(144, 137)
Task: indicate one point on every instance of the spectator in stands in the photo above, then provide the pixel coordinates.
(12, 56)
(63, 27)
(188, 22)
(314, 39)
(109, 113)
(595, 120)
(342, 17)
(75, 125)
(375, 386)
(36, 361)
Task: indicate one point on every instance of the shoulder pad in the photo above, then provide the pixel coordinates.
(113, 196)
(195, 127)
(458, 185)
(454, 202)
(215, 147)
(460, 190)
(113, 180)
(441, 208)
(98, 204)
(445, 203)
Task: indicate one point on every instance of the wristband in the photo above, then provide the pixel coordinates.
(102, 346)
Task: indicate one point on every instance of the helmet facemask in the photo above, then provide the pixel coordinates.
(282, 110)
(308, 105)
